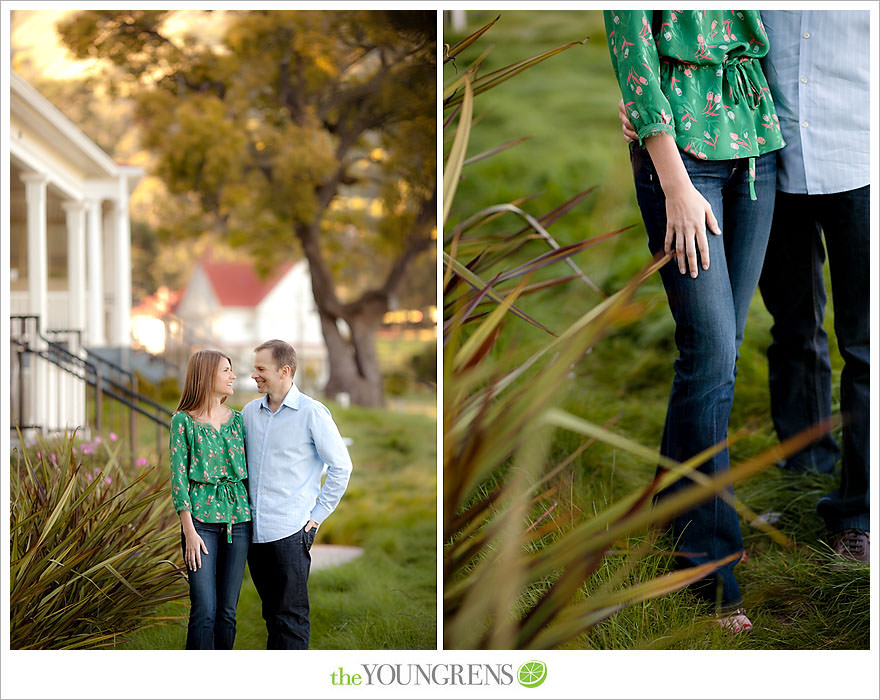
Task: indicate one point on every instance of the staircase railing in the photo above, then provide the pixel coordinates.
(104, 376)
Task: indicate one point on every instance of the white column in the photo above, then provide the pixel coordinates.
(121, 327)
(38, 277)
(38, 266)
(95, 304)
(76, 298)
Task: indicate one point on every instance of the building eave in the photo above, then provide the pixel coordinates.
(28, 105)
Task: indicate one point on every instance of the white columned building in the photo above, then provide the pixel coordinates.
(70, 257)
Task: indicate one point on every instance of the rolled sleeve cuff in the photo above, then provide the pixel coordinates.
(334, 487)
(654, 129)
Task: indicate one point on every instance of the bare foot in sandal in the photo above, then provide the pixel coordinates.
(735, 621)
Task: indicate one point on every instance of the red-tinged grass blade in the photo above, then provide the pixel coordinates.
(567, 337)
(460, 316)
(535, 224)
(478, 284)
(450, 53)
(557, 254)
(451, 117)
(495, 78)
(521, 238)
(469, 75)
(497, 149)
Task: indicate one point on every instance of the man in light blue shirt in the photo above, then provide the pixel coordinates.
(818, 69)
(289, 437)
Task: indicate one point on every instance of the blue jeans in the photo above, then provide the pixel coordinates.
(280, 571)
(710, 316)
(793, 287)
(214, 587)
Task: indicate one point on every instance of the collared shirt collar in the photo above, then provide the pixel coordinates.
(291, 399)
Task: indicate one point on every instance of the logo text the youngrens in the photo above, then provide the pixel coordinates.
(425, 674)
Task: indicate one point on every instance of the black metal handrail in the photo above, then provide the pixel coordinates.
(92, 374)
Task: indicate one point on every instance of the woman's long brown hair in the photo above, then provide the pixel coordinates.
(200, 371)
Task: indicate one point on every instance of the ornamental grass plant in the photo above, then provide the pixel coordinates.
(524, 566)
(91, 544)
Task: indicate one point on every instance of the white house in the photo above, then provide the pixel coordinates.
(225, 305)
(69, 256)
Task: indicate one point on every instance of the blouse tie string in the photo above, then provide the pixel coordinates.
(225, 493)
(741, 85)
(752, 194)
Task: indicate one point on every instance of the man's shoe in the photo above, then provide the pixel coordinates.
(852, 544)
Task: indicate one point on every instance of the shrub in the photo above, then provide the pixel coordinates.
(91, 545)
(424, 364)
(396, 383)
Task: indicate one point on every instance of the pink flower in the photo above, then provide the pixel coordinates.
(89, 478)
(53, 458)
(113, 437)
(98, 439)
(141, 462)
(39, 455)
(107, 480)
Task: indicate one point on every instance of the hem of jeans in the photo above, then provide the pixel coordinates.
(856, 523)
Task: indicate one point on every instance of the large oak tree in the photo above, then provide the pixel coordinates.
(298, 133)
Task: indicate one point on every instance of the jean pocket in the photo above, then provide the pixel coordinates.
(309, 537)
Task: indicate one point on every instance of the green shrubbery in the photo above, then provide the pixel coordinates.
(92, 542)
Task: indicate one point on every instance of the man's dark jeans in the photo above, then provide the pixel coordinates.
(710, 315)
(280, 571)
(215, 586)
(793, 287)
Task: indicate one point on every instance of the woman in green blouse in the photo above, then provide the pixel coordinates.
(208, 474)
(704, 158)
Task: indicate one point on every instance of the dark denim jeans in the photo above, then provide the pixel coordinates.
(710, 315)
(280, 571)
(793, 287)
(214, 587)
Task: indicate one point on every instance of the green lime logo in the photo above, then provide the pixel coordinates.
(531, 674)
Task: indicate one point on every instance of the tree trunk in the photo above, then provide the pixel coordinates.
(354, 363)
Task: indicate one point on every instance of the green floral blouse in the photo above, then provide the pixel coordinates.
(208, 469)
(696, 77)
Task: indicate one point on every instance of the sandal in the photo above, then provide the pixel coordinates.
(734, 621)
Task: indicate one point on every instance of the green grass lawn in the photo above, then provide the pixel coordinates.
(567, 105)
(385, 599)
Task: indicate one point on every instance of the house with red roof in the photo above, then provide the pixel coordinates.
(227, 306)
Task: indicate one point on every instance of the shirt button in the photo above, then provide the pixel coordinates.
(805, 124)
(804, 79)
(806, 35)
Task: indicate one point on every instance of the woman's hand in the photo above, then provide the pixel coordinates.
(629, 133)
(195, 547)
(688, 214)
